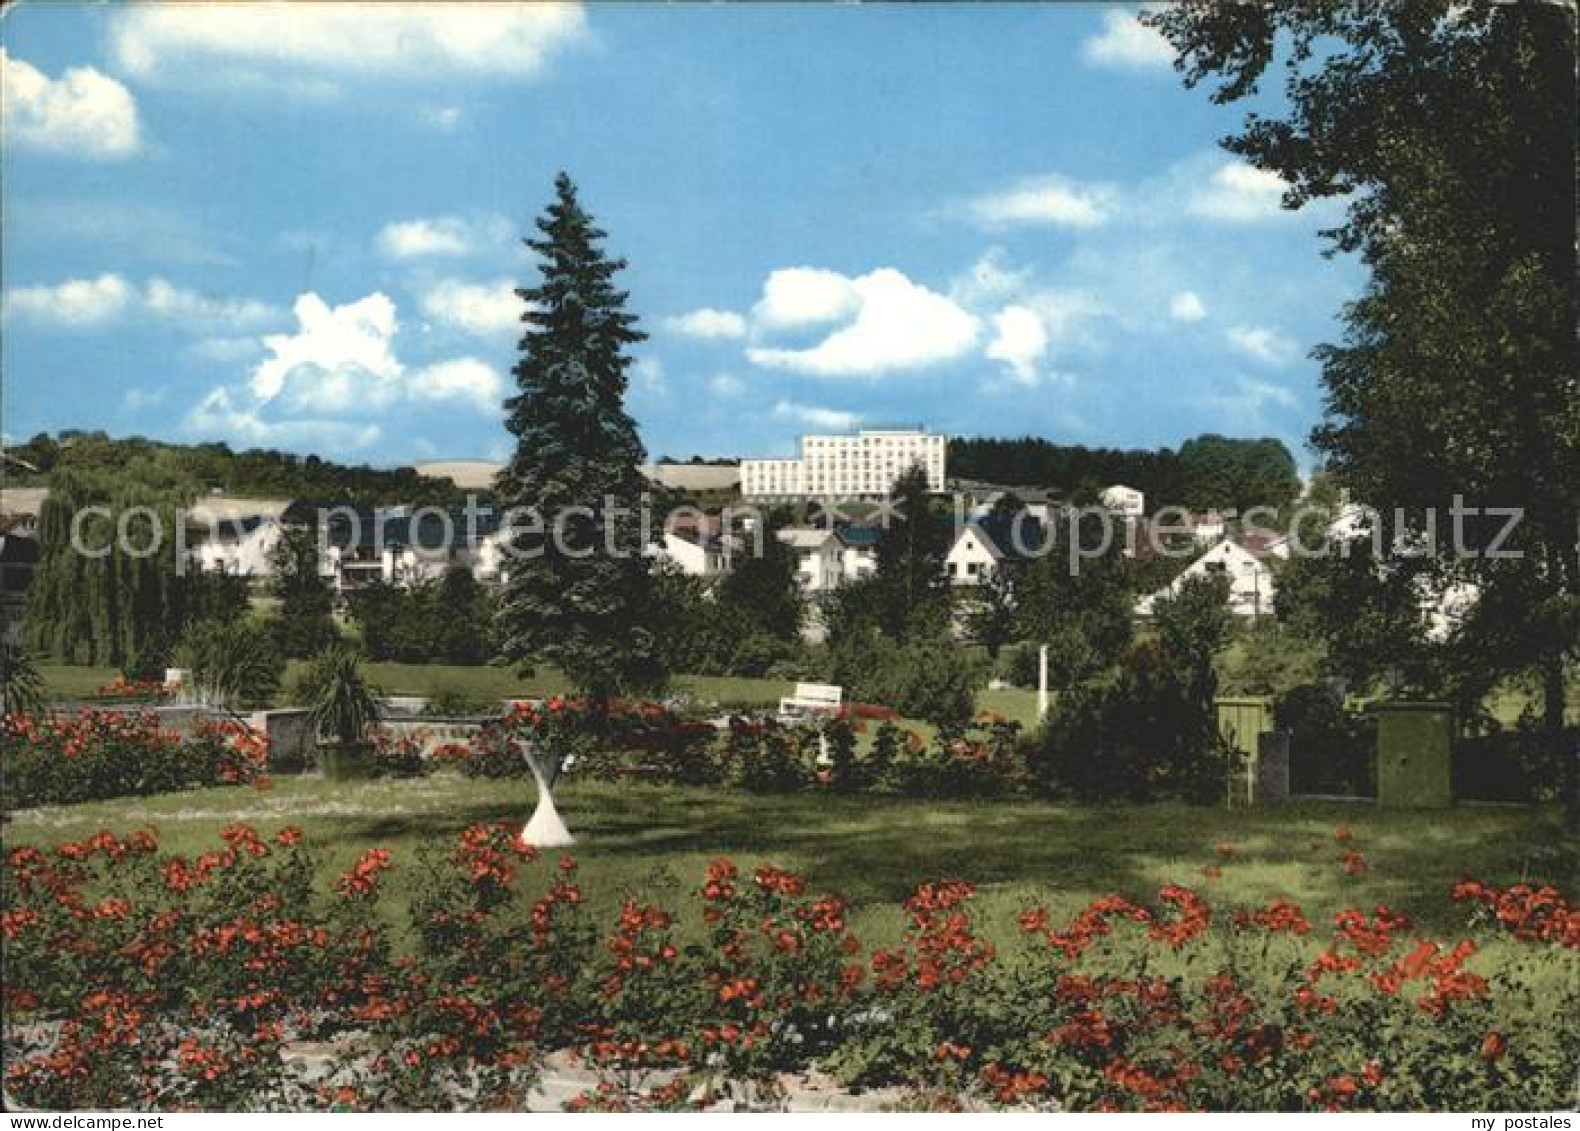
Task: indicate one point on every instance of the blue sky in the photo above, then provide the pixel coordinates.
(297, 227)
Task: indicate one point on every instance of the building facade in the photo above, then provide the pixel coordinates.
(863, 465)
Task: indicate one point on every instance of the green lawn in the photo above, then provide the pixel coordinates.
(654, 842)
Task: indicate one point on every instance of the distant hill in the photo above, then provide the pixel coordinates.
(203, 469)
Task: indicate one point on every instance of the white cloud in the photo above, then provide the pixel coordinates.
(83, 113)
(75, 303)
(1045, 200)
(805, 296)
(443, 235)
(1238, 192)
(989, 279)
(726, 385)
(1261, 343)
(1125, 44)
(218, 415)
(162, 298)
(1021, 341)
(465, 378)
(708, 324)
(814, 416)
(419, 40)
(892, 323)
(1187, 306)
(318, 385)
(336, 356)
(138, 398)
(444, 118)
(87, 303)
(483, 309)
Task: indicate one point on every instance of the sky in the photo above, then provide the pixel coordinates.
(299, 226)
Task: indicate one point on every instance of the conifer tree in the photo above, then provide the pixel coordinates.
(580, 593)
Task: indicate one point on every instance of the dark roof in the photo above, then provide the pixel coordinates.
(396, 527)
(858, 537)
(1000, 531)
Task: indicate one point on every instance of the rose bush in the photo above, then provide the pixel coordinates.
(140, 978)
(57, 759)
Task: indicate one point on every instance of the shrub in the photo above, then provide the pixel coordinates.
(137, 977)
(60, 759)
(21, 685)
(398, 756)
(234, 663)
(340, 701)
(1144, 735)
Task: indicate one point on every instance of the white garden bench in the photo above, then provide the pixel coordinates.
(812, 699)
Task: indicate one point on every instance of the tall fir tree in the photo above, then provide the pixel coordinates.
(580, 590)
(912, 588)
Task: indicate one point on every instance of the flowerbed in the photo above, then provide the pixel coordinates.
(56, 759)
(648, 740)
(140, 978)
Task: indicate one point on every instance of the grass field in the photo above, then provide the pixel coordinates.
(655, 841)
(488, 683)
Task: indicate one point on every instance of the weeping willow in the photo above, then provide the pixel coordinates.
(116, 594)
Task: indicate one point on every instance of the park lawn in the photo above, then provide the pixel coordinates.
(653, 842)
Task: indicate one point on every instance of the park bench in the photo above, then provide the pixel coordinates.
(811, 699)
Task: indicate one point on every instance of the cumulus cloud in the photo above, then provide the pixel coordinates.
(317, 385)
(805, 296)
(484, 309)
(708, 324)
(73, 303)
(1263, 344)
(427, 41)
(88, 303)
(1051, 199)
(891, 323)
(815, 416)
(1020, 342)
(165, 299)
(217, 414)
(83, 113)
(443, 235)
(338, 355)
(1187, 306)
(1238, 192)
(1125, 44)
(464, 379)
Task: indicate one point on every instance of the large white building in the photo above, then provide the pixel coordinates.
(863, 465)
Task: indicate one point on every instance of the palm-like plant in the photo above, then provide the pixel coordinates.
(340, 701)
(21, 685)
(231, 664)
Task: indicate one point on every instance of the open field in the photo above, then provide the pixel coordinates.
(637, 838)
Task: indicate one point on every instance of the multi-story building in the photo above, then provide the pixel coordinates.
(863, 465)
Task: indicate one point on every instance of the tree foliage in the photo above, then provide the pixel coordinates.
(104, 600)
(580, 593)
(1448, 130)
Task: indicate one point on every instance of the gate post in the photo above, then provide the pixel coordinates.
(1415, 747)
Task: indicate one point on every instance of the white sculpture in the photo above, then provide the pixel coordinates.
(545, 829)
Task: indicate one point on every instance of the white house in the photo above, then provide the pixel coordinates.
(972, 557)
(1250, 580)
(981, 547)
(819, 556)
(696, 555)
(858, 555)
(242, 547)
(1124, 500)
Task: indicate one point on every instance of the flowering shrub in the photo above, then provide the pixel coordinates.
(138, 978)
(616, 739)
(398, 756)
(55, 759)
(122, 688)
